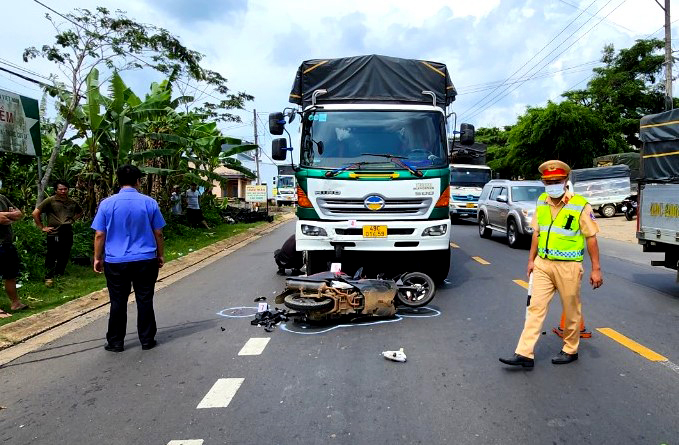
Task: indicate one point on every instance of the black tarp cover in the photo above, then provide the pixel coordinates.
(660, 152)
(372, 78)
(597, 173)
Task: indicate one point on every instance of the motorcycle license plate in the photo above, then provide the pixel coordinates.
(470, 205)
(374, 231)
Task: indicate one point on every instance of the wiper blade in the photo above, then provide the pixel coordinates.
(398, 160)
(337, 171)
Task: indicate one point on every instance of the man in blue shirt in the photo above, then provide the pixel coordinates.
(128, 248)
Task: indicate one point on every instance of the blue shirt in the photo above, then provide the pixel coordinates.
(129, 219)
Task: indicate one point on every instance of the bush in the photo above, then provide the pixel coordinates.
(32, 247)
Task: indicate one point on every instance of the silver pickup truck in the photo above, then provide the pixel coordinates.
(508, 207)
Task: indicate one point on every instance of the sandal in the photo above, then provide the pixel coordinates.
(21, 308)
(4, 314)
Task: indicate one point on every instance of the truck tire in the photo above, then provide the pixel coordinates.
(607, 211)
(484, 230)
(315, 261)
(304, 304)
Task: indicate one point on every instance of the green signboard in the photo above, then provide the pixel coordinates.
(19, 124)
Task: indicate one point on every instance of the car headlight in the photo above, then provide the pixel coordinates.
(438, 230)
(313, 230)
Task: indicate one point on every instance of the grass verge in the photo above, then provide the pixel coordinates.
(81, 280)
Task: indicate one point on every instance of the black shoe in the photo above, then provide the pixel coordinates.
(150, 345)
(112, 348)
(295, 273)
(281, 272)
(518, 360)
(563, 358)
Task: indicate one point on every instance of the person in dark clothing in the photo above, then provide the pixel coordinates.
(287, 257)
(128, 248)
(61, 212)
(9, 258)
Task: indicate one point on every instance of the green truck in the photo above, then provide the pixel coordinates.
(373, 177)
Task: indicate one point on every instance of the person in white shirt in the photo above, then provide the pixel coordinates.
(193, 212)
(176, 199)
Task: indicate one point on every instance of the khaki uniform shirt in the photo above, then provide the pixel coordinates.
(588, 225)
(59, 211)
(5, 230)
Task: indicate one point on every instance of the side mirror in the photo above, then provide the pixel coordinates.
(502, 198)
(466, 134)
(276, 123)
(291, 116)
(279, 149)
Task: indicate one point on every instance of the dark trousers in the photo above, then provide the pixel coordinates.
(58, 251)
(120, 277)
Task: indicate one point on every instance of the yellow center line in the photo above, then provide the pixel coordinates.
(454, 246)
(480, 260)
(634, 346)
(521, 283)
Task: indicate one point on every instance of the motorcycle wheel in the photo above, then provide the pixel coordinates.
(303, 304)
(417, 290)
(629, 215)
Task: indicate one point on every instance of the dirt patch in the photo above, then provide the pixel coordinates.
(618, 228)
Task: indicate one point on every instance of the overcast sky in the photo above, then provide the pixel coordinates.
(258, 44)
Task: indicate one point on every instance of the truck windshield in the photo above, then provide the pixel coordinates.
(524, 193)
(286, 181)
(469, 177)
(335, 139)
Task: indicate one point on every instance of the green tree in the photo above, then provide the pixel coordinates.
(497, 152)
(100, 39)
(567, 131)
(628, 86)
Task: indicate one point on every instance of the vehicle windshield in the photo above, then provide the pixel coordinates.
(525, 193)
(469, 177)
(286, 181)
(335, 139)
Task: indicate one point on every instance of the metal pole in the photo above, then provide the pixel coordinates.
(39, 184)
(669, 101)
(254, 119)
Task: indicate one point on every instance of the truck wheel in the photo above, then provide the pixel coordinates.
(315, 262)
(303, 304)
(513, 236)
(607, 211)
(417, 290)
(484, 230)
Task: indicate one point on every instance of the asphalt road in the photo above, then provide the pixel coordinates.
(332, 386)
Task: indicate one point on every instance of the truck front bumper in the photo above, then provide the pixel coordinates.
(401, 236)
(461, 209)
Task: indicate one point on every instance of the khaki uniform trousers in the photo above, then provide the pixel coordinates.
(548, 277)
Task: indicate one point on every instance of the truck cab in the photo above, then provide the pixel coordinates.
(466, 184)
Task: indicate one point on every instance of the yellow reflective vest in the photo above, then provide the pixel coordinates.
(561, 239)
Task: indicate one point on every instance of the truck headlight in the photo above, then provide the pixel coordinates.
(439, 230)
(313, 230)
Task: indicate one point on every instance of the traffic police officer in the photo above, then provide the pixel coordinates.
(563, 223)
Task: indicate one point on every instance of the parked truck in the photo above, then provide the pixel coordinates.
(373, 178)
(468, 174)
(285, 186)
(605, 188)
(658, 217)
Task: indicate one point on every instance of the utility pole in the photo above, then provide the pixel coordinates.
(669, 101)
(254, 119)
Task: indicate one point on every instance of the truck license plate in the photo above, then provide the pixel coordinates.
(470, 205)
(374, 231)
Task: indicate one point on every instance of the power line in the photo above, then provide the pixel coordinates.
(551, 60)
(608, 21)
(528, 61)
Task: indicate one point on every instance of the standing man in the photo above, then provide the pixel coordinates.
(128, 247)
(193, 212)
(176, 200)
(563, 223)
(9, 258)
(61, 212)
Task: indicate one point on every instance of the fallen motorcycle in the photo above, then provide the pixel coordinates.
(327, 294)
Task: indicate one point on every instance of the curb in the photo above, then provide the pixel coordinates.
(21, 330)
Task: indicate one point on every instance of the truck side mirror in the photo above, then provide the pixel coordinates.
(276, 123)
(467, 134)
(279, 149)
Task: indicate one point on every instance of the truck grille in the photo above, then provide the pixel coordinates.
(465, 198)
(401, 206)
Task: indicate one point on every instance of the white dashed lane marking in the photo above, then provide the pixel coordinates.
(186, 442)
(254, 346)
(221, 393)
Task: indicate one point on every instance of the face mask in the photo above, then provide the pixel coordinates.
(555, 190)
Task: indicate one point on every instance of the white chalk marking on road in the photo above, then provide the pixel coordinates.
(186, 442)
(221, 393)
(254, 346)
